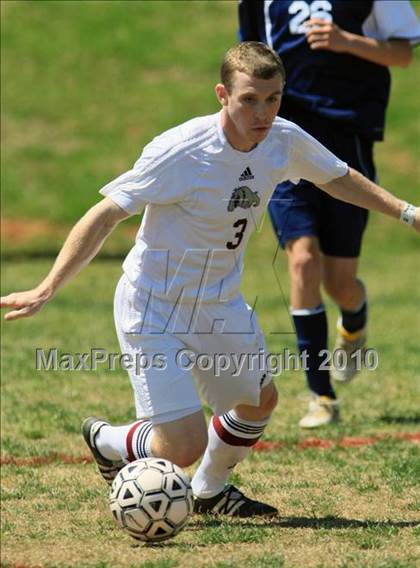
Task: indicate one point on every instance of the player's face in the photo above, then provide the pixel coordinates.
(249, 108)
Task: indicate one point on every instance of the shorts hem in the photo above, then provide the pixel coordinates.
(291, 236)
(341, 254)
(169, 415)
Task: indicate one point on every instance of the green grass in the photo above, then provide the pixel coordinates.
(361, 502)
(85, 86)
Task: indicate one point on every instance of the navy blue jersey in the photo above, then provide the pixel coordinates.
(336, 86)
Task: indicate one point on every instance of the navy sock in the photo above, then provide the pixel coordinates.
(312, 335)
(353, 321)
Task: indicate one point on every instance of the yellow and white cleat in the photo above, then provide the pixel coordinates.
(322, 410)
(349, 352)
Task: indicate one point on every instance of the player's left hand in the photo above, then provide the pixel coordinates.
(325, 35)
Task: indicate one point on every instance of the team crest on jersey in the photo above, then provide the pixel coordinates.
(243, 197)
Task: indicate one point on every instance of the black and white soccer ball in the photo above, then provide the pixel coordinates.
(151, 499)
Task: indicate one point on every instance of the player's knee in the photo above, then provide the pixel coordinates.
(268, 400)
(305, 267)
(272, 401)
(187, 454)
(181, 442)
(183, 455)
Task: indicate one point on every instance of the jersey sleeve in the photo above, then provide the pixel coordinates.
(310, 160)
(393, 19)
(155, 178)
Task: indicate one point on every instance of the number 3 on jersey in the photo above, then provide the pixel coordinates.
(304, 10)
(241, 224)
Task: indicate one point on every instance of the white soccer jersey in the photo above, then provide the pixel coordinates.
(203, 199)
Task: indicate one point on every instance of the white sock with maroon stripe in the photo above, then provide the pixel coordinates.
(230, 440)
(129, 443)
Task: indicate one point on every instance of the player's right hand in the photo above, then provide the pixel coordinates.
(25, 304)
(322, 34)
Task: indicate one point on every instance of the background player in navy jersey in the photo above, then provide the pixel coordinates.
(336, 55)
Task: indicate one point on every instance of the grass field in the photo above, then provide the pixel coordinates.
(85, 85)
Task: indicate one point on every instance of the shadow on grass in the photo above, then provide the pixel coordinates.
(340, 523)
(406, 419)
(304, 523)
(280, 523)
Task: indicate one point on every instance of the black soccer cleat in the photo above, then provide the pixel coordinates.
(233, 503)
(107, 468)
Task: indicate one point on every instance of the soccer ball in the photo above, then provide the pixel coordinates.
(151, 499)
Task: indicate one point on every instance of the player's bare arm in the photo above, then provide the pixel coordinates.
(82, 244)
(327, 35)
(357, 189)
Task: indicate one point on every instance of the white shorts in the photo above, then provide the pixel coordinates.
(217, 347)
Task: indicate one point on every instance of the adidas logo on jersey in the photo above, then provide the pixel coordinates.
(246, 174)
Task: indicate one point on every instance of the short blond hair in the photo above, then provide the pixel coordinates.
(253, 58)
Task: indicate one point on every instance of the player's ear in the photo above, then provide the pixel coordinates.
(221, 94)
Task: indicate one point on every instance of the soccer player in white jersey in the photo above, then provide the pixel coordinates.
(204, 185)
